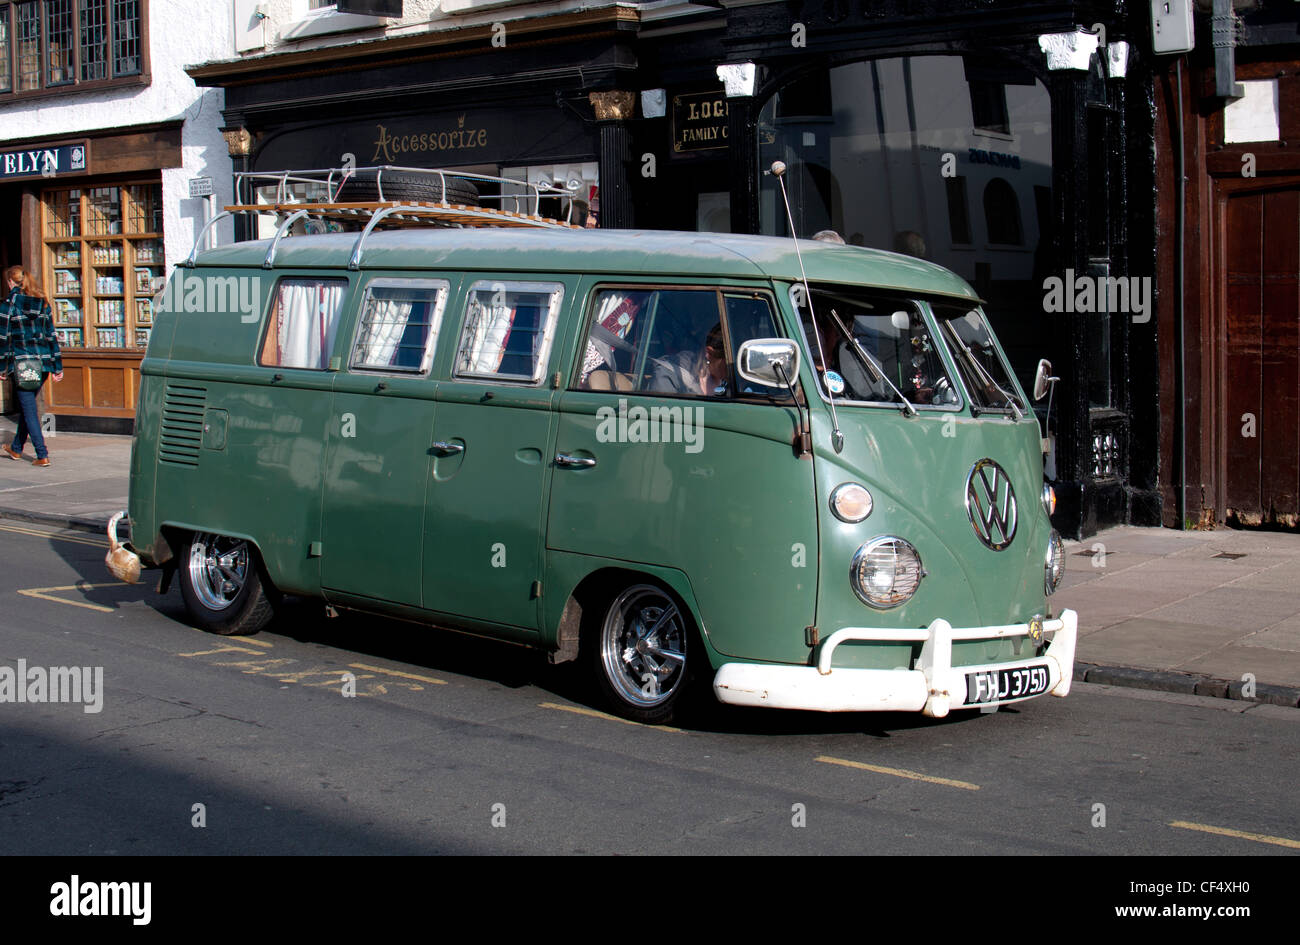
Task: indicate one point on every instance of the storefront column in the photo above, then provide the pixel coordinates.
(239, 144)
(613, 109)
(742, 158)
(1067, 85)
(31, 232)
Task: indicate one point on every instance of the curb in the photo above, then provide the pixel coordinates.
(1188, 684)
(76, 522)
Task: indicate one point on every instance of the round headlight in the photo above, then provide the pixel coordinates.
(1049, 499)
(851, 502)
(1054, 568)
(885, 572)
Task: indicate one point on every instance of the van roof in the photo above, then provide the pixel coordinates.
(616, 252)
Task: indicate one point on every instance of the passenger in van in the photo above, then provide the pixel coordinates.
(700, 373)
(601, 369)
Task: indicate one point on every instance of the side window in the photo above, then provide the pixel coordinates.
(750, 317)
(398, 328)
(304, 318)
(656, 341)
(509, 329)
(670, 341)
(613, 357)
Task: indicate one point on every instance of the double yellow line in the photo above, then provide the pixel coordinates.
(55, 536)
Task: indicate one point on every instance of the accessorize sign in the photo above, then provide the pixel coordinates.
(56, 161)
(699, 121)
(391, 145)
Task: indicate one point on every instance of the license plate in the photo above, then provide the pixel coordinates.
(998, 685)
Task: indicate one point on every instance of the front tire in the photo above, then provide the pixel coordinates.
(222, 586)
(644, 654)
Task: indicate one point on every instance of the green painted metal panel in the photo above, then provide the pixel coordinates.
(376, 466)
(732, 509)
(482, 544)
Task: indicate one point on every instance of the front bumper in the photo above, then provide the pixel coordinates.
(934, 687)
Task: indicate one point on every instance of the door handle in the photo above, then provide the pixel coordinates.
(446, 446)
(574, 462)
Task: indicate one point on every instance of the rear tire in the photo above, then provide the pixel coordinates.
(222, 585)
(645, 654)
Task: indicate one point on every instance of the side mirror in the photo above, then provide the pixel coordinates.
(758, 358)
(1043, 379)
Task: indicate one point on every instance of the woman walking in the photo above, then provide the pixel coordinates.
(31, 352)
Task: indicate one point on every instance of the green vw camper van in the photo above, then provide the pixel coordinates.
(669, 455)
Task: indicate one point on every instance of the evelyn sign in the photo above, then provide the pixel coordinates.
(44, 162)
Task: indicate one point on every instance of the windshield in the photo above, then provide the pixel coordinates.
(984, 372)
(891, 344)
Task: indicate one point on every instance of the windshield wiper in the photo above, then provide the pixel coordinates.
(870, 363)
(980, 370)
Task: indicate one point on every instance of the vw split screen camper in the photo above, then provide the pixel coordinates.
(801, 475)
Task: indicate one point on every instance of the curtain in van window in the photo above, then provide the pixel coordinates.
(486, 333)
(385, 325)
(308, 318)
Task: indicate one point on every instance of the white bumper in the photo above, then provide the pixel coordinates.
(934, 687)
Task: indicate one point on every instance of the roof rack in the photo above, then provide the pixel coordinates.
(291, 196)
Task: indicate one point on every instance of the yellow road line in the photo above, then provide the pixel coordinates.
(44, 594)
(399, 675)
(899, 773)
(222, 649)
(232, 637)
(37, 533)
(578, 710)
(1239, 834)
(255, 667)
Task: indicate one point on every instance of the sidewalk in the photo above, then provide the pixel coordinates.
(84, 485)
(1187, 612)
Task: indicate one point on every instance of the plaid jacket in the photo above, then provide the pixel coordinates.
(29, 332)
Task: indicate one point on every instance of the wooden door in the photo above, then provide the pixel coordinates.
(1260, 380)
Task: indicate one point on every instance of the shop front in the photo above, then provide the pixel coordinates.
(85, 217)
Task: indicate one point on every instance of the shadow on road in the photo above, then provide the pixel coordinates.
(448, 651)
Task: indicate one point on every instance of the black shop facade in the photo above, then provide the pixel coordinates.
(527, 112)
(952, 131)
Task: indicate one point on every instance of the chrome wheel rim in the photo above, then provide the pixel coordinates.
(643, 646)
(218, 569)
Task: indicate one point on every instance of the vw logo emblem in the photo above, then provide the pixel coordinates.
(991, 504)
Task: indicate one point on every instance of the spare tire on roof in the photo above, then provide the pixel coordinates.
(364, 187)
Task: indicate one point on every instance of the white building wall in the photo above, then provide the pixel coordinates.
(181, 32)
(287, 25)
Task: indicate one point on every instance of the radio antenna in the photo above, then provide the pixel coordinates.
(837, 438)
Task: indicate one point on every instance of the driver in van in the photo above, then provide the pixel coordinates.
(700, 373)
